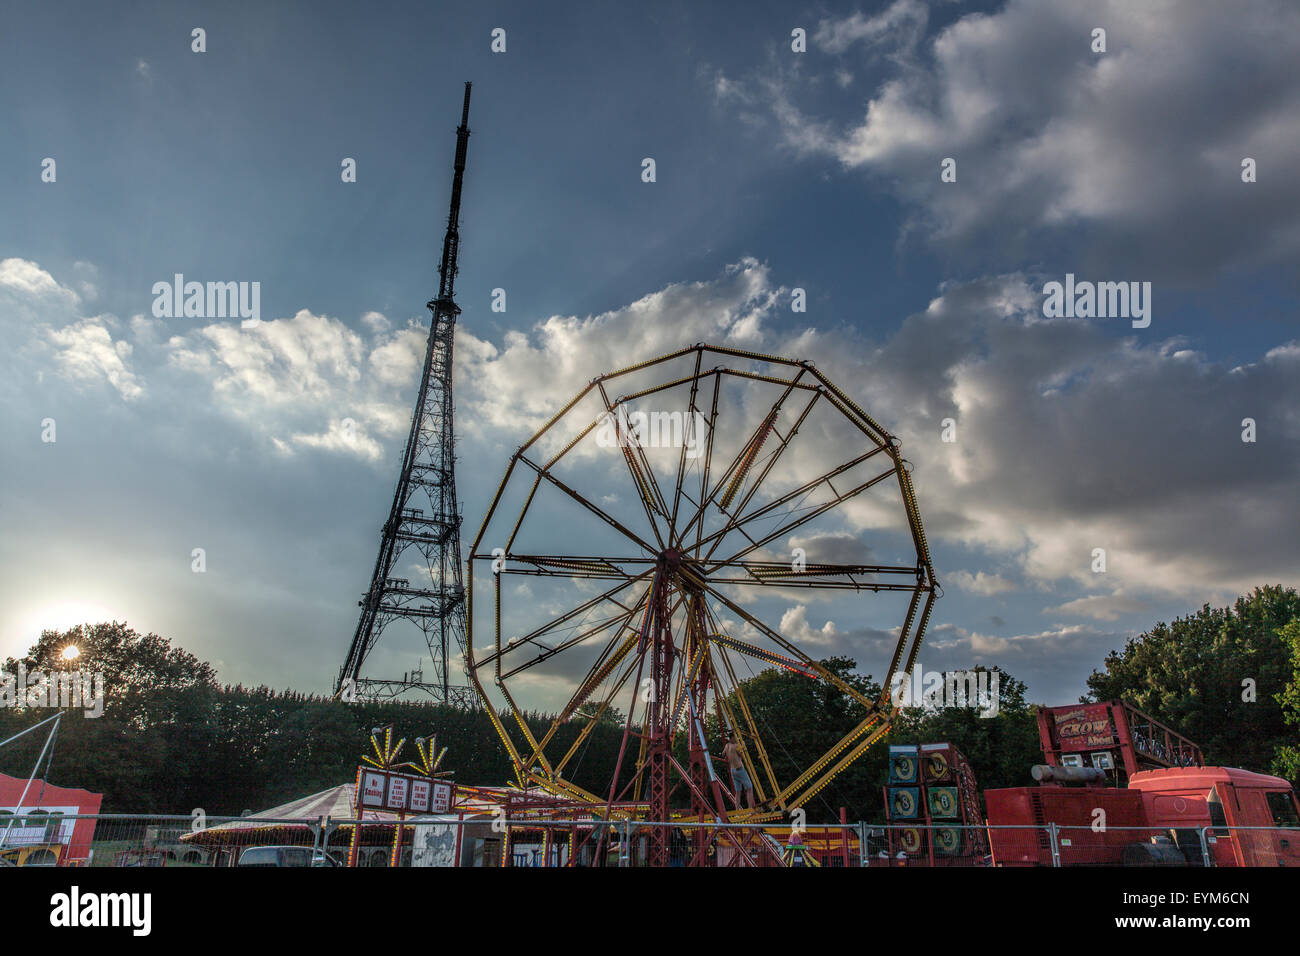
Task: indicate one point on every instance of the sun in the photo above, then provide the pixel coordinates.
(60, 615)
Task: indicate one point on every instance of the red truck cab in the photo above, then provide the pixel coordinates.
(1249, 819)
(1226, 799)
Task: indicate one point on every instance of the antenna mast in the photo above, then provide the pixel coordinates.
(413, 538)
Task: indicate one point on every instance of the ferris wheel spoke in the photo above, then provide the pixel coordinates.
(790, 648)
(691, 412)
(600, 674)
(767, 657)
(784, 443)
(739, 521)
(809, 783)
(734, 476)
(708, 467)
(781, 574)
(602, 515)
(789, 526)
(686, 679)
(652, 500)
(549, 652)
(593, 719)
(569, 615)
(568, 565)
(737, 693)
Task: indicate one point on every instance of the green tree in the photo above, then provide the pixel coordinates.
(1286, 761)
(144, 676)
(1215, 676)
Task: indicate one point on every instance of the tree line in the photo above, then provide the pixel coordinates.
(172, 738)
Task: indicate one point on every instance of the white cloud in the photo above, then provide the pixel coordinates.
(1100, 607)
(902, 23)
(301, 380)
(343, 436)
(795, 628)
(1068, 439)
(518, 387)
(375, 321)
(45, 328)
(30, 280)
(1129, 159)
(86, 352)
(989, 644)
(400, 359)
(980, 583)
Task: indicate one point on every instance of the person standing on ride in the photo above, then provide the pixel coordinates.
(739, 775)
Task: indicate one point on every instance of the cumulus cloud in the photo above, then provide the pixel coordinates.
(343, 435)
(795, 627)
(519, 386)
(29, 279)
(1128, 159)
(43, 322)
(376, 321)
(981, 583)
(308, 381)
(87, 352)
(1100, 607)
(302, 382)
(1069, 438)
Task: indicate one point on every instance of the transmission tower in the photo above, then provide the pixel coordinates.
(423, 526)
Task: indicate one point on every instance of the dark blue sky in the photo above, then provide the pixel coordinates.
(816, 170)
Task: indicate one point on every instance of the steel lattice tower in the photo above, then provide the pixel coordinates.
(428, 478)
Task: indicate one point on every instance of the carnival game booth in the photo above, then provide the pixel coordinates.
(298, 823)
(36, 825)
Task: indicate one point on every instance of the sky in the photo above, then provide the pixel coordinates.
(921, 172)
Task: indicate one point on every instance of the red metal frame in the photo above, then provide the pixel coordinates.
(1140, 741)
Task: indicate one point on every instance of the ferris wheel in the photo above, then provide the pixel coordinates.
(640, 546)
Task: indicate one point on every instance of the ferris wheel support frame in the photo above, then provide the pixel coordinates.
(654, 637)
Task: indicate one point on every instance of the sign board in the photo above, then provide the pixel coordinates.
(441, 798)
(1086, 727)
(434, 843)
(401, 792)
(419, 801)
(373, 785)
